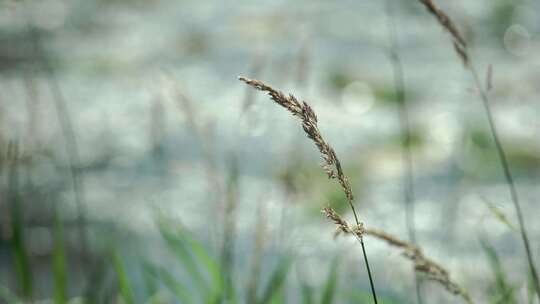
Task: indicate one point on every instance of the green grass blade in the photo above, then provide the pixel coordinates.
(20, 253)
(96, 281)
(229, 229)
(277, 280)
(504, 291)
(307, 294)
(7, 297)
(211, 265)
(175, 286)
(531, 292)
(331, 283)
(182, 250)
(59, 263)
(500, 216)
(149, 277)
(125, 289)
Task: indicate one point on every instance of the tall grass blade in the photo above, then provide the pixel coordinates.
(197, 260)
(277, 280)
(256, 256)
(7, 297)
(176, 287)
(530, 290)
(68, 132)
(59, 261)
(409, 194)
(500, 216)
(307, 294)
(182, 250)
(149, 278)
(126, 291)
(212, 267)
(505, 293)
(229, 228)
(460, 46)
(331, 283)
(96, 281)
(20, 252)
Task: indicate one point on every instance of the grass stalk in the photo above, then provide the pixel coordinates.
(256, 258)
(59, 260)
(126, 290)
(229, 230)
(18, 245)
(405, 129)
(423, 265)
(461, 48)
(68, 132)
(331, 165)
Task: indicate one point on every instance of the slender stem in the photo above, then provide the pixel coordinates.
(358, 223)
(68, 132)
(508, 176)
(369, 272)
(404, 121)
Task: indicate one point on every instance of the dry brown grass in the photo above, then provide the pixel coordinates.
(331, 164)
(305, 113)
(430, 269)
(459, 42)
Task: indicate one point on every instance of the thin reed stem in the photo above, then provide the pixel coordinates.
(405, 128)
(371, 285)
(68, 133)
(508, 176)
(331, 165)
(461, 48)
(229, 230)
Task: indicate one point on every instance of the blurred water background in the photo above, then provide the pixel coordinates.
(164, 132)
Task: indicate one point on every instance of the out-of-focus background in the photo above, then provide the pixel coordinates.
(136, 168)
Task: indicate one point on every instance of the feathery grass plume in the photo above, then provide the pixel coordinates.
(302, 110)
(331, 164)
(423, 265)
(461, 49)
(341, 225)
(427, 267)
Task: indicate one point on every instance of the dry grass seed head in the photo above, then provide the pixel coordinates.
(444, 20)
(427, 267)
(305, 113)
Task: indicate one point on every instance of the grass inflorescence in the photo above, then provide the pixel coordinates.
(461, 48)
(331, 164)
